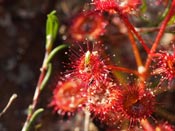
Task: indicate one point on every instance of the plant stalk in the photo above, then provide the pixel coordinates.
(160, 34)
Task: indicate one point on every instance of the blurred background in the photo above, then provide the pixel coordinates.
(22, 45)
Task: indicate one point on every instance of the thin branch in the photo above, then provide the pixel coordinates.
(122, 69)
(135, 49)
(33, 117)
(43, 78)
(131, 27)
(12, 98)
(160, 34)
(170, 28)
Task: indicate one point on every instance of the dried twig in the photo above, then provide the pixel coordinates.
(12, 98)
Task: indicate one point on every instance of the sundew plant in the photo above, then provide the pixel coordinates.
(120, 67)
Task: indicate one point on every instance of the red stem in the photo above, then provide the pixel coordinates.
(123, 69)
(37, 93)
(37, 90)
(160, 34)
(131, 27)
(135, 49)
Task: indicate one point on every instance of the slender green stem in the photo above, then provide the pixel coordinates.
(44, 76)
(51, 34)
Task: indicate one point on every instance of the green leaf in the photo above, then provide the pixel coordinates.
(33, 117)
(52, 25)
(172, 20)
(165, 11)
(144, 6)
(54, 52)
